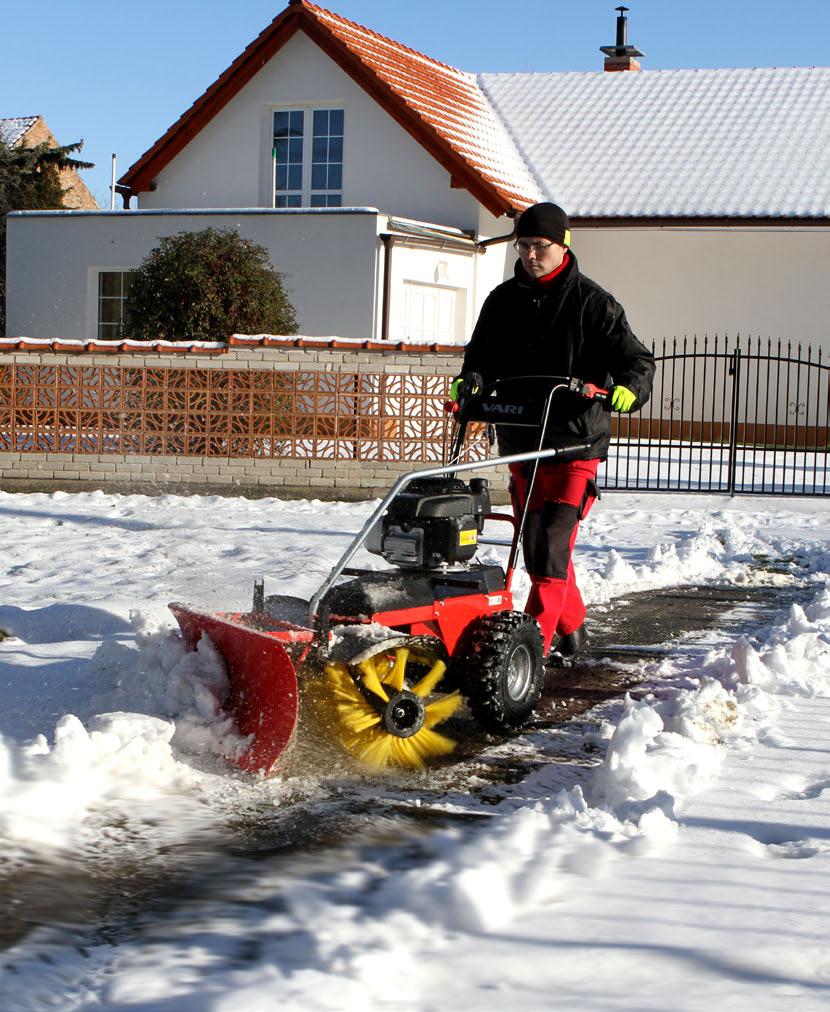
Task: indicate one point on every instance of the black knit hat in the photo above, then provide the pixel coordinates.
(548, 220)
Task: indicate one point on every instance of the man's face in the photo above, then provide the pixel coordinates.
(539, 255)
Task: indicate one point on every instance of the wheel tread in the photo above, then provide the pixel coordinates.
(480, 667)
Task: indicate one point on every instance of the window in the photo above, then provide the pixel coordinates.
(113, 287)
(308, 157)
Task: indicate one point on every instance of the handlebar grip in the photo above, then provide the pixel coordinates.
(595, 393)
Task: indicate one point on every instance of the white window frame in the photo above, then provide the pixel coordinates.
(121, 298)
(307, 147)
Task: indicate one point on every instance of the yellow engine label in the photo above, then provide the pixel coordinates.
(468, 537)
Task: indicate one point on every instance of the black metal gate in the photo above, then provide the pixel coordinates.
(724, 416)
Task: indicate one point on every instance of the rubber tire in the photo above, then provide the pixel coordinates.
(489, 646)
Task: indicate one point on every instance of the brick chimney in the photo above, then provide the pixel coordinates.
(621, 56)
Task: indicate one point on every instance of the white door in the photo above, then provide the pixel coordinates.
(433, 313)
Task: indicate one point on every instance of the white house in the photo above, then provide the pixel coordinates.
(378, 177)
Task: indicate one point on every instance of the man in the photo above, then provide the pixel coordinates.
(551, 320)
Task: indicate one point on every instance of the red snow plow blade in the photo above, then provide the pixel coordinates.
(264, 691)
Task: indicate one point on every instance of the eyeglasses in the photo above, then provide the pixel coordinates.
(538, 247)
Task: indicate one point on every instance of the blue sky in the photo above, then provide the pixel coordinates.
(119, 76)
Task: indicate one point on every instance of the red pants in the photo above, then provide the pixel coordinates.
(563, 493)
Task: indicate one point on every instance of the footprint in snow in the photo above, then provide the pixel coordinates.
(796, 849)
(808, 793)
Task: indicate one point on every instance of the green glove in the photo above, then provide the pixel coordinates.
(622, 399)
(455, 386)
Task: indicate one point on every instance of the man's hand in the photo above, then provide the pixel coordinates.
(467, 385)
(622, 399)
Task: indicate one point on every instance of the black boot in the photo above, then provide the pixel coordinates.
(571, 644)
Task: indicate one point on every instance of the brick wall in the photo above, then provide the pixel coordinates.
(154, 420)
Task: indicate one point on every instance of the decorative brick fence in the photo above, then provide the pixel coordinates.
(292, 417)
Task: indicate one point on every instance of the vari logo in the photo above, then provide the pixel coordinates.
(503, 409)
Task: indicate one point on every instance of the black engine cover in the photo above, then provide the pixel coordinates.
(435, 521)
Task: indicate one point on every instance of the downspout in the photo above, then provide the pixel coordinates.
(388, 242)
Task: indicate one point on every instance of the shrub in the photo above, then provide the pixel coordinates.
(205, 286)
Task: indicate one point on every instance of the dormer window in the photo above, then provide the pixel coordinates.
(307, 157)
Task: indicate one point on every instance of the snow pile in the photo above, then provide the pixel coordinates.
(154, 703)
(664, 750)
(796, 660)
(520, 863)
(45, 791)
(660, 753)
(162, 676)
(698, 559)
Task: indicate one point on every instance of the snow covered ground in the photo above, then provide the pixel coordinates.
(681, 862)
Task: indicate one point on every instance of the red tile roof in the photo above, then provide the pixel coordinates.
(441, 107)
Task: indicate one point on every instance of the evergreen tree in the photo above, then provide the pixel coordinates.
(30, 181)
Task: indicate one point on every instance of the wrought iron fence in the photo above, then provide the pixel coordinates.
(743, 416)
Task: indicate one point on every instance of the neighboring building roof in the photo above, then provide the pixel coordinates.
(674, 143)
(441, 107)
(14, 128)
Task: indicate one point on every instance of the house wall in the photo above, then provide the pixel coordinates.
(330, 260)
(228, 164)
(764, 281)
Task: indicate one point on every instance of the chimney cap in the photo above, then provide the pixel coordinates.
(621, 50)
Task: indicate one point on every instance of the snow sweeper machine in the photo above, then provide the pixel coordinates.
(388, 655)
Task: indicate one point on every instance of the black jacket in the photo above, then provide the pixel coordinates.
(569, 326)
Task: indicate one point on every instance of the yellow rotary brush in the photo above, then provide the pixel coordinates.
(384, 722)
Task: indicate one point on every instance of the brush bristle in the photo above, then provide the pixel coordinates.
(359, 722)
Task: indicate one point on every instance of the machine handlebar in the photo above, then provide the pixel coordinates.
(471, 385)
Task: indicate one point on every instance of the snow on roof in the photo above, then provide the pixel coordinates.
(13, 129)
(674, 143)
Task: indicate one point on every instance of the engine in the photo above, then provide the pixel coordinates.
(434, 522)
